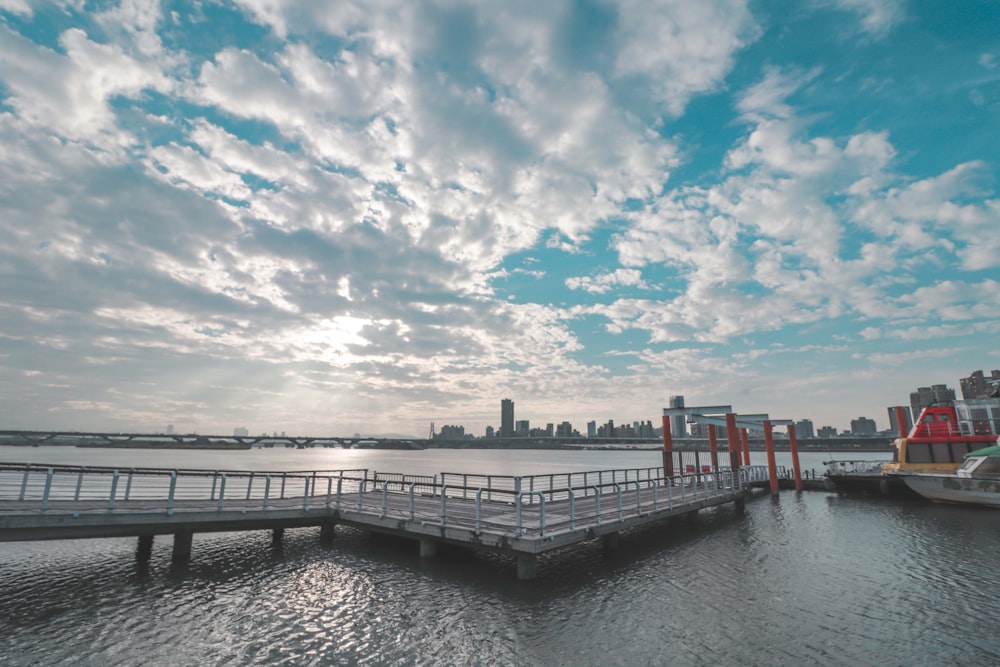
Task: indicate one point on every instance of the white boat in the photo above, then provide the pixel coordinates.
(977, 482)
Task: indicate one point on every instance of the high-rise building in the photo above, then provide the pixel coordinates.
(977, 385)
(592, 429)
(925, 397)
(678, 423)
(506, 418)
(522, 428)
(804, 429)
(908, 418)
(863, 426)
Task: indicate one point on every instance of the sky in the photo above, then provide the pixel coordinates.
(329, 218)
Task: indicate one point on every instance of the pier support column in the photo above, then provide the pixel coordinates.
(611, 540)
(793, 445)
(276, 535)
(668, 449)
(741, 505)
(144, 549)
(428, 548)
(772, 468)
(327, 532)
(182, 546)
(527, 567)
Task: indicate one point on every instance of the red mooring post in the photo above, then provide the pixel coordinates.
(733, 441)
(713, 447)
(794, 446)
(772, 466)
(746, 446)
(668, 449)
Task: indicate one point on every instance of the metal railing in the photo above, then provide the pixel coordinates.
(538, 505)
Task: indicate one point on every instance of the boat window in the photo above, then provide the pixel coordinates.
(989, 468)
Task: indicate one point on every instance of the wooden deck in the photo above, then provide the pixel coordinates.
(519, 516)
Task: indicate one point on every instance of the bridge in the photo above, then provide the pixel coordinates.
(522, 517)
(193, 440)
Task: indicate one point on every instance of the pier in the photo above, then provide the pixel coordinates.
(522, 517)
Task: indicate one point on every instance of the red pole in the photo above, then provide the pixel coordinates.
(668, 449)
(746, 447)
(713, 447)
(733, 440)
(772, 467)
(794, 446)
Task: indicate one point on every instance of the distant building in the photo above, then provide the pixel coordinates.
(863, 426)
(977, 385)
(907, 416)
(564, 430)
(522, 428)
(489, 432)
(506, 418)
(925, 397)
(804, 429)
(170, 429)
(827, 432)
(240, 432)
(550, 430)
(592, 429)
(678, 423)
(449, 432)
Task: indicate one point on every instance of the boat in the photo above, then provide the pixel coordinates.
(937, 444)
(976, 482)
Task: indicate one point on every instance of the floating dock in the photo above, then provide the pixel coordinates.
(519, 516)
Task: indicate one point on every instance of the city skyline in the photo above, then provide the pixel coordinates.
(363, 217)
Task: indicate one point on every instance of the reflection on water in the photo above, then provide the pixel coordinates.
(806, 579)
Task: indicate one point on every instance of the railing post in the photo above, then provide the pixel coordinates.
(128, 483)
(114, 489)
(283, 476)
(24, 481)
(385, 498)
(305, 494)
(329, 489)
(412, 486)
(170, 495)
(48, 488)
(444, 496)
(267, 489)
(222, 490)
(79, 485)
(340, 485)
(517, 505)
(479, 503)
(249, 485)
(361, 492)
(572, 508)
(621, 511)
(215, 479)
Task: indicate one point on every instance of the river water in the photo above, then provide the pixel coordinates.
(810, 578)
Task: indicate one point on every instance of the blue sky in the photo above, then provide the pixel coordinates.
(364, 217)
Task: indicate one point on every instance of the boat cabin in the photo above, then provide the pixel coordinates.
(981, 464)
(940, 439)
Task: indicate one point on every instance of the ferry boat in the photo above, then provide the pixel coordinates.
(938, 443)
(976, 482)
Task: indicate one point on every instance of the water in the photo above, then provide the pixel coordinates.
(814, 578)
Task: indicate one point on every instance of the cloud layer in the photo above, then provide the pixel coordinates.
(323, 218)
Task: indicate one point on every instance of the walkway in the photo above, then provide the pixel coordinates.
(519, 516)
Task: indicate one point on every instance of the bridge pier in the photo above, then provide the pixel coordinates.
(182, 546)
(327, 532)
(144, 549)
(428, 548)
(276, 535)
(527, 566)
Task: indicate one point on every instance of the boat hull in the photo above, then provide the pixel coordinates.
(952, 489)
